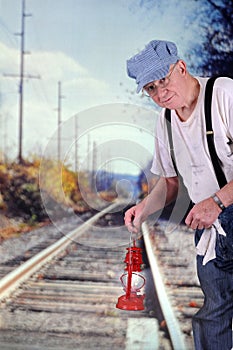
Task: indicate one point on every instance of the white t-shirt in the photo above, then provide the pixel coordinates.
(190, 142)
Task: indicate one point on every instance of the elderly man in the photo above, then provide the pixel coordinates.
(164, 77)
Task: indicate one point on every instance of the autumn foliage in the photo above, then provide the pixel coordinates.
(21, 187)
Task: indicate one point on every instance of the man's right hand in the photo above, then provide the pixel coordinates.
(134, 219)
(164, 191)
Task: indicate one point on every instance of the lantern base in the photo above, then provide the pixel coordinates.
(133, 303)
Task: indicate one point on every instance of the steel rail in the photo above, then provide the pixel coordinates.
(10, 282)
(176, 335)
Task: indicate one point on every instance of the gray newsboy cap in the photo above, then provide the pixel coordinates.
(152, 63)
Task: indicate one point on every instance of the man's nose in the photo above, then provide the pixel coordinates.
(161, 92)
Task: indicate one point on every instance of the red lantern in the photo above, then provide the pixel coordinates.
(132, 281)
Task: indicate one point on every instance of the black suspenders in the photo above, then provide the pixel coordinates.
(209, 134)
(170, 139)
(217, 164)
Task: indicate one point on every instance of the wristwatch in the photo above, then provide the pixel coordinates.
(218, 202)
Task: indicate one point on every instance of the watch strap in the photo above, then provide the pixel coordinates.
(218, 202)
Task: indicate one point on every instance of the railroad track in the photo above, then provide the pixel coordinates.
(173, 256)
(65, 297)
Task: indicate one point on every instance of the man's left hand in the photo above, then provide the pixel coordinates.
(203, 214)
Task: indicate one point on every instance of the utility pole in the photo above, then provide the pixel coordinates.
(59, 121)
(88, 160)
(22, 76)
(76, 143)
(4, 121)
(93, 172)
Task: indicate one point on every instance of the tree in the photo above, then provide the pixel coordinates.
(217, 48)
(203, 30)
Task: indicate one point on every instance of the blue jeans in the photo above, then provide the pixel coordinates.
(212, 324)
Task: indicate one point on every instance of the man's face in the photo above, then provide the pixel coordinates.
(169, 92)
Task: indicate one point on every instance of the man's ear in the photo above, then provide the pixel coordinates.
(182, 68)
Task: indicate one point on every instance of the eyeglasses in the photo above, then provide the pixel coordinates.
(151, 89)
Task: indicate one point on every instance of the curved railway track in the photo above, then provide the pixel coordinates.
(65, 296)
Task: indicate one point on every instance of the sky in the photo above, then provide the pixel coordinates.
(84, 45)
